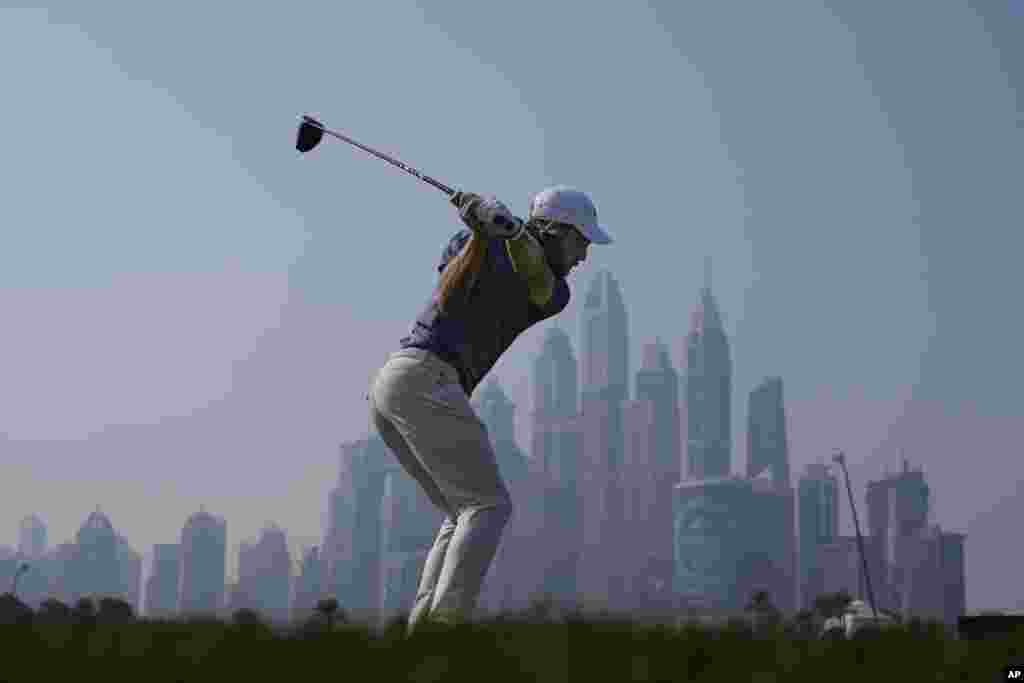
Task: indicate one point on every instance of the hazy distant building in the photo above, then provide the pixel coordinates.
(919, 567)
(897, 509)
(605, 341)
(767, 443)
(130, 573)
(651, 470)
(602, 571)
(504, 587)
(709, 540)
(840, 568)
(555, 382)
(409, 522)
(32, 537)
(94, 570)
(818, 493)
(708, 392)
(771, 562)
(768, 466)
(60, 567)
(162, 584)
(309, 585)
(264, 576)
(351, 548)
(203, 565)
(554, 519)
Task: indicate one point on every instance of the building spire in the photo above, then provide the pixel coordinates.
(707, 272)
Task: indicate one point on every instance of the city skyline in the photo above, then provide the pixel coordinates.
(659, 386)
(205, 307)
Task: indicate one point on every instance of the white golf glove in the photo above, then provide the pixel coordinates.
(491, 216)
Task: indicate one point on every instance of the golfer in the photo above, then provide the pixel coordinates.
(497, 278)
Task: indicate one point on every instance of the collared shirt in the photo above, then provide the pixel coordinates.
(471, 336)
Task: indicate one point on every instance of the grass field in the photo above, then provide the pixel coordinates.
(492, 650)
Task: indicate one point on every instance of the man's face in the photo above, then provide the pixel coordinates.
(574, 246)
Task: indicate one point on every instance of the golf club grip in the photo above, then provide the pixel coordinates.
(380, 155)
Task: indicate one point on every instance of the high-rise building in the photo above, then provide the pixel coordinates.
(554, 466)
(602, 573)
(897, 510)
(818, 493)
(651, 470)
(605, 339)
(768, 453)
(658, 382)
(408, 523)
(708, 392)
(503, 585)
(32, 537)
(309, 586)
(709, 535)
(162, 584)
(767, 445)
(130, 565)
(352, 545)
(94, 570)
(203, 565)
(555, 384)
(264, 575)
(917, 568)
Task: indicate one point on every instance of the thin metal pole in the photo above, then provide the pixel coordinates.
(841, 459)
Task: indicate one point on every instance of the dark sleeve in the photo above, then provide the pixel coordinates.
(559, 300)
(453, 248)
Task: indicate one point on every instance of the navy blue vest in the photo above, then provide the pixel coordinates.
(473, 334)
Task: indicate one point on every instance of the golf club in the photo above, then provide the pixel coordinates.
(311, 132)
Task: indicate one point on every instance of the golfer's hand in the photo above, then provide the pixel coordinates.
(487, 215)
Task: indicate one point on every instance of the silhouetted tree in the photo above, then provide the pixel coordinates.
(763, 614)
(52, 610)
(805, 623)
(115, 611)
(84, 611)
(832, 604)
(246, 616)
(328, 607)
(14, 611)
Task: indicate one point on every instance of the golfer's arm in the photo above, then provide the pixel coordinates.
(528, 260)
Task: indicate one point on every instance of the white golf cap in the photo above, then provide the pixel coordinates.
(568, 205)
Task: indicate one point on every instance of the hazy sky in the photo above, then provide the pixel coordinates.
(192, 313)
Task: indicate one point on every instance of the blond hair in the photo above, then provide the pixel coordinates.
(462, 270)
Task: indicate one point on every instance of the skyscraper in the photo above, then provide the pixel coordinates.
(658, 382)
(32, 537)
(555, 384)
(309, 586)
(605, 338)
(554, 516)
(708, 392)
(602, 574)
(264, 575)
(352, 545)
(130, 565)
(94, 569)
(162, 584)
(767, 446)
(652, 469)
(819, 525)
(203, 564)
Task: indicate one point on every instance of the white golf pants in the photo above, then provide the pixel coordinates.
(426, 420)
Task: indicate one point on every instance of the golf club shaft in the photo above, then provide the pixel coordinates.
(380, 155)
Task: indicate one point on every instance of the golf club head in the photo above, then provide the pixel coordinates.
(310, 134)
